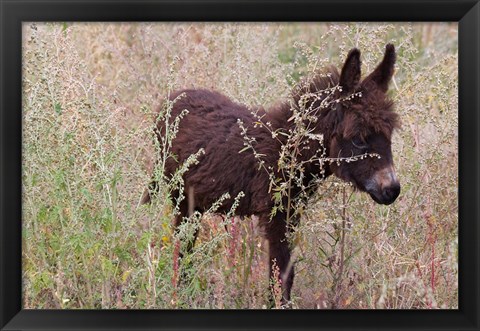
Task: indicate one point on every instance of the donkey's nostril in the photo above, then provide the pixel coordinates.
(391, 193)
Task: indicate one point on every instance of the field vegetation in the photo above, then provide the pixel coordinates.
(91, 93)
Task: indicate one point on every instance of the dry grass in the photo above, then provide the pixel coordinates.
(90, 92)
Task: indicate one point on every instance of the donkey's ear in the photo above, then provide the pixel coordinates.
(350, 75)
(384, 71)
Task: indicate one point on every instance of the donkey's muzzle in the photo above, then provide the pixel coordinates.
(390, 193)
(383, 187)
(386, 195)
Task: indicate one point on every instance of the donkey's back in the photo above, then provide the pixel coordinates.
(212, 124)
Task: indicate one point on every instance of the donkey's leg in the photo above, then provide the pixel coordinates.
(189, 241)
(279, 255)
(186, 241)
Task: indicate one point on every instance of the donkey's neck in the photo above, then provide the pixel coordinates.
(308, 97)
(308, 145)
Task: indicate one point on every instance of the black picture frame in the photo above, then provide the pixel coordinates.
(14, 12)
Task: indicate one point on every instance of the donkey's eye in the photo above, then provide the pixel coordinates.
(359, 143)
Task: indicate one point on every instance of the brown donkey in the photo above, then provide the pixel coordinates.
(359, 120)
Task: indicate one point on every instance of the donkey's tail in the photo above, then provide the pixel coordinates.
(147, 194)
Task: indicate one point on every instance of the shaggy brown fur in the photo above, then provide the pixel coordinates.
(353, 126)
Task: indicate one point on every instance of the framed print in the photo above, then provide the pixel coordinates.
(239, 165)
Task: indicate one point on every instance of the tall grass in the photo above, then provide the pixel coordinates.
(90, 97)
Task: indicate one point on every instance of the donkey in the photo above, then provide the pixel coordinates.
(352, 126)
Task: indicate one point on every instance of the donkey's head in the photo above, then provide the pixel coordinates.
(365, 121)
